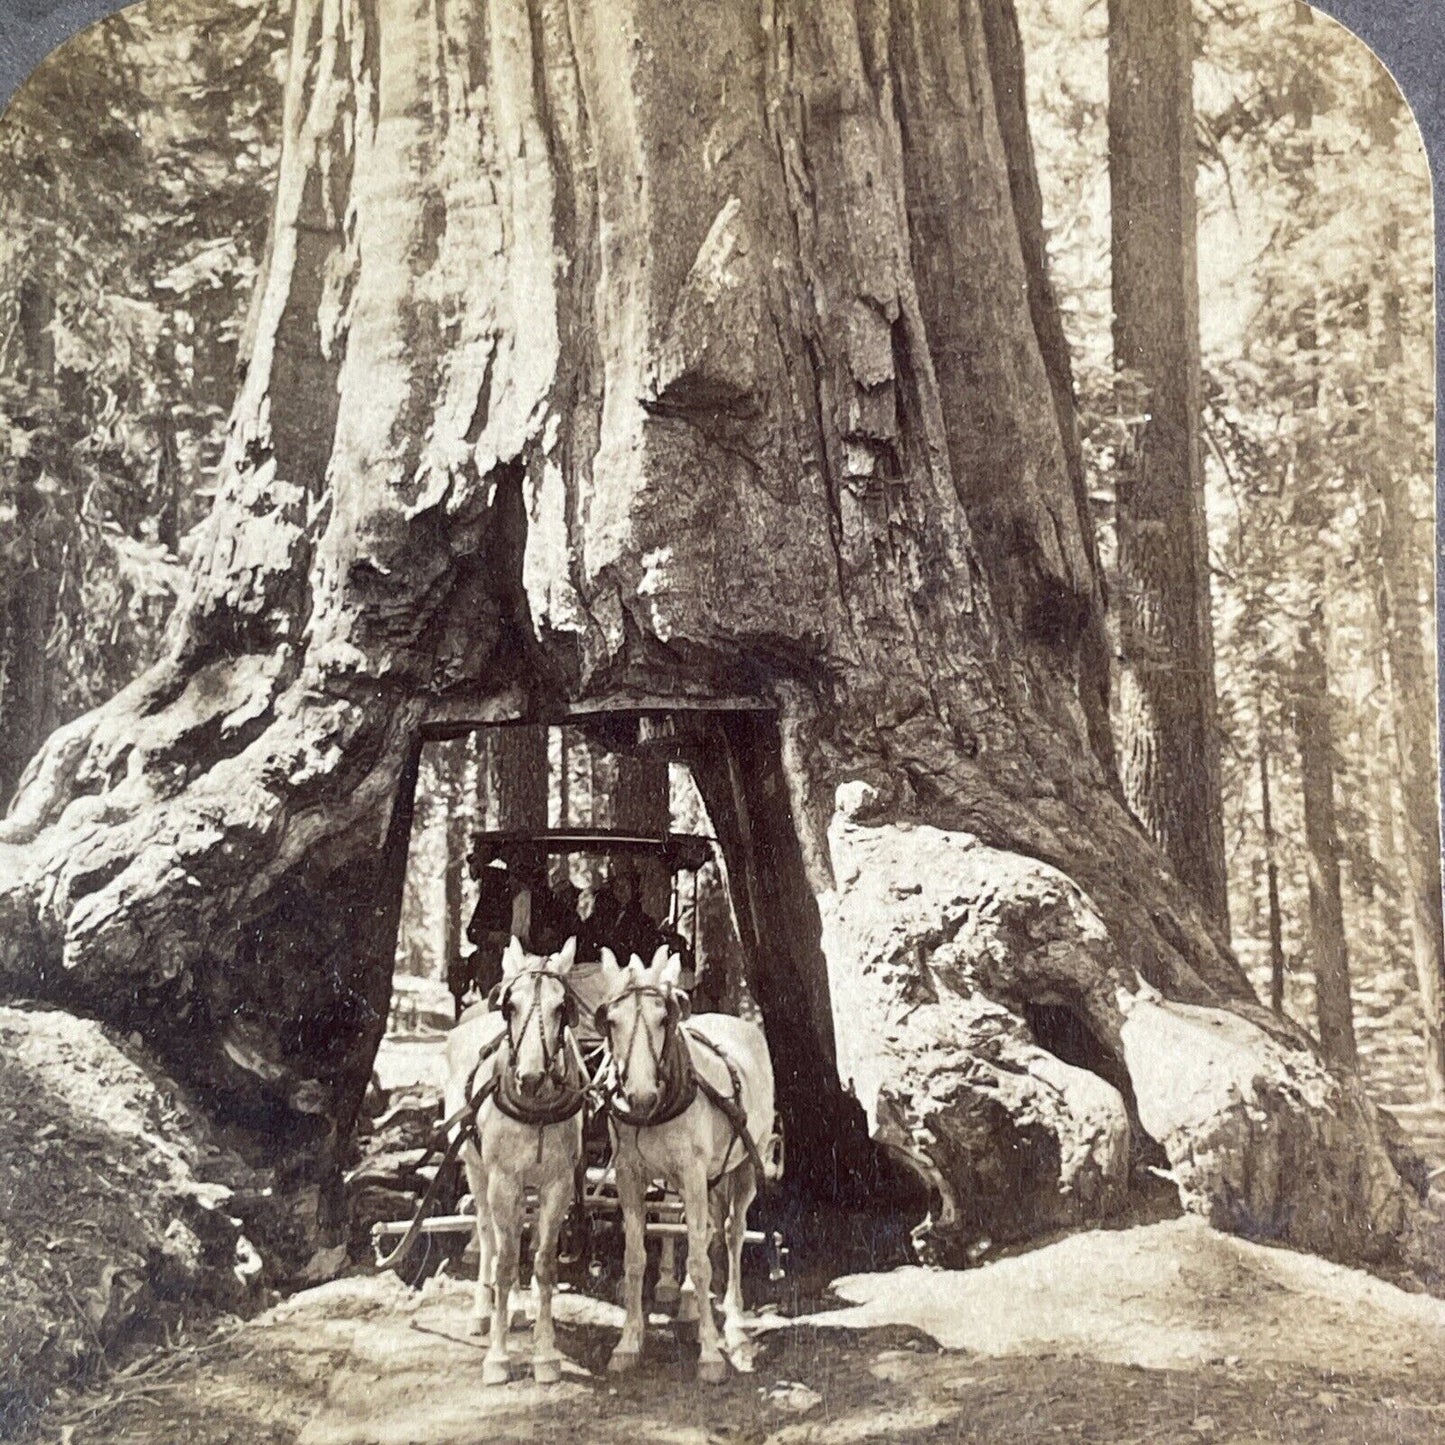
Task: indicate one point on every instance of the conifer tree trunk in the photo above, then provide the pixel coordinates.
(1334, 1010)
(453, 896)
(641, 803)
(1169, 744)
(30, 606)
(1271, 875)
(517, 779)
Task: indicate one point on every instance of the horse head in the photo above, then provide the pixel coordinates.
(640, 1019)
(537, 1007)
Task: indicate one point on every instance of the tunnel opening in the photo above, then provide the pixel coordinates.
(607, 781)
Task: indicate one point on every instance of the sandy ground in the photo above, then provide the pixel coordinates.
(1169, 1296)
(1160, 1333)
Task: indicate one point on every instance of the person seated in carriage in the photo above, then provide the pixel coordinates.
(513, 901)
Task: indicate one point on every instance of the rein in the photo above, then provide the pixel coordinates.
(501, 1089)
(571, 1094)
(672, 1067)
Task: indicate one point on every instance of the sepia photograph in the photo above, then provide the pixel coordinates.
(718, 725)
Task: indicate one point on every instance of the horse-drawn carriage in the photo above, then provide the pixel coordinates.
(597, 1206)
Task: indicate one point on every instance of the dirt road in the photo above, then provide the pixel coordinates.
(1154, 1334)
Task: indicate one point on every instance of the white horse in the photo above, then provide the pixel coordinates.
(519, 1061)
(665, 1126)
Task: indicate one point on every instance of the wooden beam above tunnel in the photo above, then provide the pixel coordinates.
(454, 717)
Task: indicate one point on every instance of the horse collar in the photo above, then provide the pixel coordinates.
(566, 1104)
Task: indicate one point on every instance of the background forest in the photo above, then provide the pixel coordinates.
(125, 276)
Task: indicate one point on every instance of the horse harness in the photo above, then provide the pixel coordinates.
(681, 1082)
(502, 1091)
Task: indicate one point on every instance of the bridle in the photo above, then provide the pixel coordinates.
(671, 1064)
(557, 1058)
(552, 1055)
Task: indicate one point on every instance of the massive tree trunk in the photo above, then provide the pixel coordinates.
(689, 359)
(1169, 743)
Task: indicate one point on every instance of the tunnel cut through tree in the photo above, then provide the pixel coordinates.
(621, 354)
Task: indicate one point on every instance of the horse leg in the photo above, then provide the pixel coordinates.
(711, 1366)
(631, 1193)
(665, 1295)
(486, 1254)
(687, 1307)
(504, 1203)
(741, 1185)
(686, 1313)
(552, 1201)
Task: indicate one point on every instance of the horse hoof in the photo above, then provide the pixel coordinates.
(666, 1296)
(496, 1372)
(623, 1360)
(546, 1372)
(479, 1324)
(712, 1372)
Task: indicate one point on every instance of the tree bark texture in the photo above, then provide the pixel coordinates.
(617, 353)
(1169, 743)
(1333, 1009)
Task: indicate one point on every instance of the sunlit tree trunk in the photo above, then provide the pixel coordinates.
(1333, 1009)
(1169, 742)
(1271, 878)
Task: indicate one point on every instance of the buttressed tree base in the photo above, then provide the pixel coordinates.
(701, 359)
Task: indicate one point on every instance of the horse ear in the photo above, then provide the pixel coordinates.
(611, 969)
(514, 957)
(671, 973)
(659, 957)
(564, 960)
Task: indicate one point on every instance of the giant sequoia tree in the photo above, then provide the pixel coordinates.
(615, 354)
